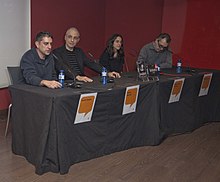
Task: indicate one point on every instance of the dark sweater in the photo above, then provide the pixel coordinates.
(62, 63)
(110, 63)
(35, 69)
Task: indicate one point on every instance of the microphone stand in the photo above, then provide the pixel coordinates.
(70, 83)
(91, 56)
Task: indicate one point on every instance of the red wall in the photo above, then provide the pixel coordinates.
(193, 24)
(195, 29)
(56, 16)
(4, 98)
(139, 22)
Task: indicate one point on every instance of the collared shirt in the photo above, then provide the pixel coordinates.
(35, 69)
(149, 55)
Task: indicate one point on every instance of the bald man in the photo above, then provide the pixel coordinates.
(72, 59)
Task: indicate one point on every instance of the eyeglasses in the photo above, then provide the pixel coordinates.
(161, 46)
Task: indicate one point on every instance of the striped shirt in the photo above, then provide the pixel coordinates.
(72, 61)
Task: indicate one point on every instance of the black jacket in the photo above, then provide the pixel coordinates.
(110, 63)
(35, 70)
(61, 62)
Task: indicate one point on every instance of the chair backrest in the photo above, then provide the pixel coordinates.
(15, 75)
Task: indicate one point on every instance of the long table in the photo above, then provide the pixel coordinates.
(191, 111)
(43, 119)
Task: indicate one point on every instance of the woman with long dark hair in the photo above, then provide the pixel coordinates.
(113, 56)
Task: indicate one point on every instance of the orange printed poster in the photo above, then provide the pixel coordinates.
(176, 90)
(130, 99)
(85, 108)
(205, 84)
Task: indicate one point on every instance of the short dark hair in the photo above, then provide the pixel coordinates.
(166, 36)
(41, 35)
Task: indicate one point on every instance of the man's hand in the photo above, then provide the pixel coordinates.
(83, 78)
(114, 74)
(50, 84)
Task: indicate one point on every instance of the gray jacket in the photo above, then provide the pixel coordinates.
(149, 55)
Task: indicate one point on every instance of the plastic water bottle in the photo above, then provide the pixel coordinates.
(142, 72)
(179, 66)
(157, 66)
(104, 76)
(61, 77)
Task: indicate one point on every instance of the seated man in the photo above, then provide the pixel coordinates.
(37, 64)
(157, 52)
(72, 59)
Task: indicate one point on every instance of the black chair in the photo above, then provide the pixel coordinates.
(16, 77)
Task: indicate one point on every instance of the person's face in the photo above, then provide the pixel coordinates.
(72, 37)
(44, 46)
(117, 43)
(162, 44)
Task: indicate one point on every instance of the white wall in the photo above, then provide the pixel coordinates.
(14, 34)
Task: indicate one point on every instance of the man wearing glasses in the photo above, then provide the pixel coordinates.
(157, 52)
(72, 59)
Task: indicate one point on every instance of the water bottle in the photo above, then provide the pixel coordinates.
(104, 76)
(142, 72)
(61, 77)
(179, 66)
(157, 66)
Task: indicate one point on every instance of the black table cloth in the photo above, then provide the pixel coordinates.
(43, 119)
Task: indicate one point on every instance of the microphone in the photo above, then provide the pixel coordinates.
(69, 83)
(134, 53)
(55, 56)
(126, 65)
(91, 56)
